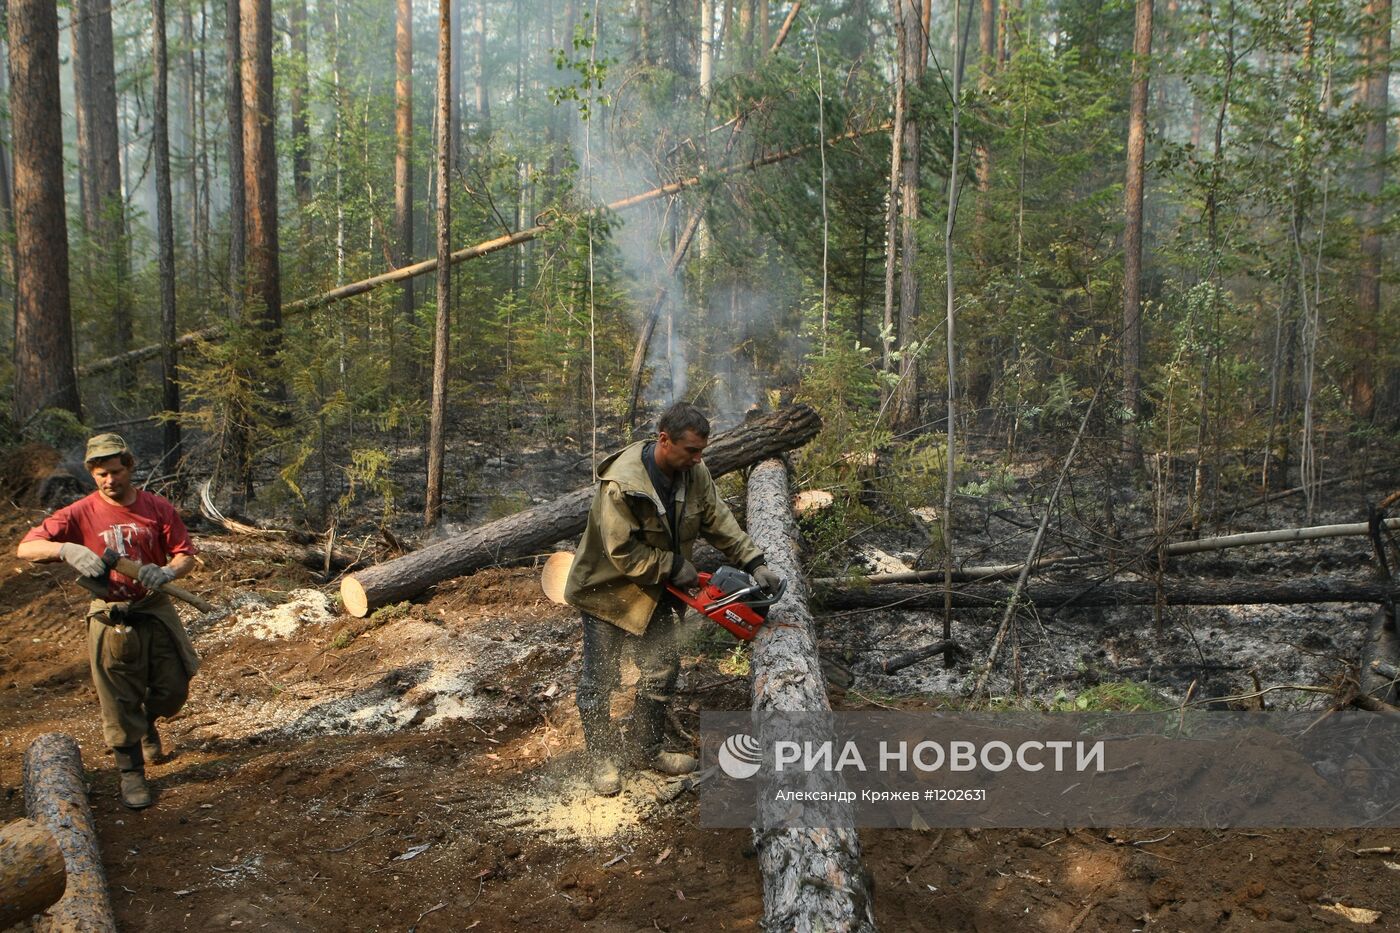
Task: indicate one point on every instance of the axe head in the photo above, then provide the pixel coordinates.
(109, 559)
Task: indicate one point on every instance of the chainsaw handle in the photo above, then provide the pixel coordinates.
(765, 603)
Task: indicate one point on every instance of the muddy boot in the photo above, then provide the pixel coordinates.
(151, 748)
(644, 737)
(600, 738)
(134, 792)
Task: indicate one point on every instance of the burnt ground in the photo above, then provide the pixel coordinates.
(421, 769)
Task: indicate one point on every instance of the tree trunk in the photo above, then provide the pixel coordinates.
(403, 148)
(1375, 95)
(1132, 234)
(188, 142)
(237, 233)
(707, 47)
(535, 528)
(442, 333)
(165, 237)
(32, 875)
(457, 83)
(55, 797)
(813, 879)
(986, 67)
(44, 365)
(260, 165)
(483, 96)
(919, 597)
(906, 394)
(301, 139)
(99, 159)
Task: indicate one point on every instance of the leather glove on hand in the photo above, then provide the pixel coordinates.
(766, 578)
(82, 560)
(685, 575)
(154, 576)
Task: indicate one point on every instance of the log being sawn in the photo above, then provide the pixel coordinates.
(813, 878)
(55, 797)
(534, 529)
(32, 875)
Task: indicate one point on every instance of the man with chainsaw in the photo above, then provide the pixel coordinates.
(653, 500)
(140, 656)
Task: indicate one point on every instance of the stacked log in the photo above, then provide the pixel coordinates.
(535, 529)
(32, 875)
(813, 878)
(55, 797)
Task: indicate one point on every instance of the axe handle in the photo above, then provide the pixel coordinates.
(129, 568)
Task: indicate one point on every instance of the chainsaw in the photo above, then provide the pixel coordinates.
(731, 598)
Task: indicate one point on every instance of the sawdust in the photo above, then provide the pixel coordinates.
(302, 608)
(565, 807)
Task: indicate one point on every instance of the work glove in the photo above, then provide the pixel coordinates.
(154, 576)
(82, 560)
(685, 575)
(766, 578)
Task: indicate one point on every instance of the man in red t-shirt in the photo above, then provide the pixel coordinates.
(140, 654)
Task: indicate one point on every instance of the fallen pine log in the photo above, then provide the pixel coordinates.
(56, 798)
(32, 875)
(813, 878)
(534, 529)
(1223, 542)
(1115, 593)
(909, 658)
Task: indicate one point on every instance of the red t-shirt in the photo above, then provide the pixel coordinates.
(149, 531)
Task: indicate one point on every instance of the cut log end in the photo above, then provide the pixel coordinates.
(352, 594)
(32, 874)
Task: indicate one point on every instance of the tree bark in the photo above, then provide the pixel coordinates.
(1132, 234)
(165, 237)
(535, 528)
(44, 365)
(32, 876)
(912, 62)
(910, 597)
(237, 234)
(300, 77)
(99, 161)
(260, 167)
(55, 797)
(813, 879)
(442, 333)
(473, 252)
(1375, 95)
(403, 148)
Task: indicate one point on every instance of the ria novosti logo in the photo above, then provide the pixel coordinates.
(740, 756)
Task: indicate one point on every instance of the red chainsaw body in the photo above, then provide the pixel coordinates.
(740, 618)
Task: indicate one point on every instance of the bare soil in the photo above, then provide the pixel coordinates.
(420, 770)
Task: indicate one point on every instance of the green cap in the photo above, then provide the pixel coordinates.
(105, 445)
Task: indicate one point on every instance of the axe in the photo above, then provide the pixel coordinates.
(128, 567)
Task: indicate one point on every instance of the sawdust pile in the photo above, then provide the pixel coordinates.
(566, 807)
(302, 608)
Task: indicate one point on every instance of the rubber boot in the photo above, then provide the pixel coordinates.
(136, 795)
(645, 734)
(151, 748)
(600, 739)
